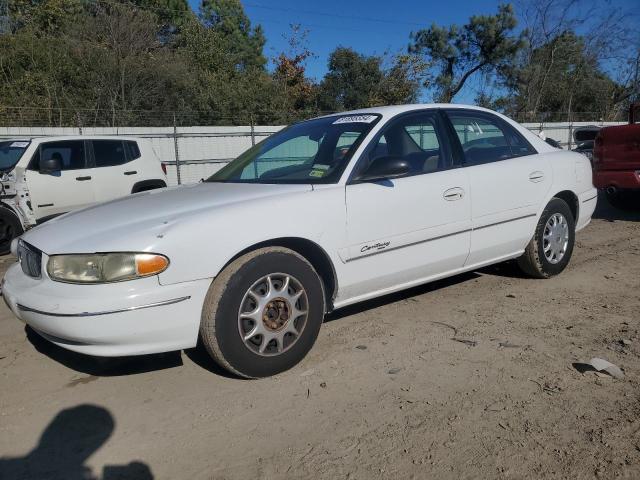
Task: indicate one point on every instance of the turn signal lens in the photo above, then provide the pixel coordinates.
(149, 264)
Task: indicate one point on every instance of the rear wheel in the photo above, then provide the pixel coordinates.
(10, 228)
(549, 251)
(262, 314)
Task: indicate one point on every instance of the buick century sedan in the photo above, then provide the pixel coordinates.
(326, 213)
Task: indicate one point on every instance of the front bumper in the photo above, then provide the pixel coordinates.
(126, 318)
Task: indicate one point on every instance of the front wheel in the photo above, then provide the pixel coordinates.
(10, 228)
(262, 314)
(549, 251)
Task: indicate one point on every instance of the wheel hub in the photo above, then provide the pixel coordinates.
(276, 314)
(555, 238)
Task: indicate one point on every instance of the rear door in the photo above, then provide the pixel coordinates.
(60, 192)
(509, 180)
(406, 229)
(114, 168)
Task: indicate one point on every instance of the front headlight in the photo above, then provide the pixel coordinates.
(105, 267)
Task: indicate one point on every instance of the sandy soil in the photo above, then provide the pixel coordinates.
(385, 393)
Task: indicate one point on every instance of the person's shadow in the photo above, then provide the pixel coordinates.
(67, 442)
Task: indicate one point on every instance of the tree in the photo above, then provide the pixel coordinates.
(599, 67)
(297, 92)
(486, 43)
(402, 80)
(243, 42)
(351, 81)
(172, 13)
(356, 81)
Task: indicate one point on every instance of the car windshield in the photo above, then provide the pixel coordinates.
(10, 152)
(315, 151)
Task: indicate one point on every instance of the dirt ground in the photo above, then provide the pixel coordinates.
(385, 393)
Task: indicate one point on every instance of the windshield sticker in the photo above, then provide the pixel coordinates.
(356, 119)
(316, 173)
(19, 144)
(320, 166)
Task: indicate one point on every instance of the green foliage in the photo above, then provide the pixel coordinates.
(560, 81)
(136, 62)
(131, 62)
(357, 81)
(487, 43)
(351, 80)
(237, 37)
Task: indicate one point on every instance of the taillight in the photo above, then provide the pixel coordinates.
(164, 167)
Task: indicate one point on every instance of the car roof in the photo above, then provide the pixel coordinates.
(83, 137)
(44, 138)
(391, 110)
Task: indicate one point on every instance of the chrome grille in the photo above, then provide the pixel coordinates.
(30, 259)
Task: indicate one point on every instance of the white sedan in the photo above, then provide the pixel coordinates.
(326, 213)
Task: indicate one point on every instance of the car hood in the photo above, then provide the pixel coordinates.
(138, 220)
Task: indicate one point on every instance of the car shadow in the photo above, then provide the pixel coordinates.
(508, 269)
(606, 211)
(123, 366)
(66, 443)
(399, 296)
(103, 366)
(200, 357)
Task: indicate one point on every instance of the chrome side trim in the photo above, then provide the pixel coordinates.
(107, 312)
(504, 221)
(418, 242)
(377, 252)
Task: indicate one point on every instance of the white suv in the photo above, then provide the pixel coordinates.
(44, 177)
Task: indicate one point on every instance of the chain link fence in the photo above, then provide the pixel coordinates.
(192, 150)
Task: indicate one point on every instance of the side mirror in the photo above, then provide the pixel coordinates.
(383, 168)
(50, 166)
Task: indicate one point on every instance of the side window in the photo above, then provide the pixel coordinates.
(296, 152)
(416, 139)
(132, 150)
(485, 140)
(108, 153)
(70, 153)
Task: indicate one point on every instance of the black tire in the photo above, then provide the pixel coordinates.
(534, 261)
(10, 228)
(219, 325)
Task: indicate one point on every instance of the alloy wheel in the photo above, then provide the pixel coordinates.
(273, 314)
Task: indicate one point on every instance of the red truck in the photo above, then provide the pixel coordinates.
(616, 161)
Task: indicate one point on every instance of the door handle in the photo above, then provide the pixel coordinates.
(131, 172)
(536, 176)
(82, 179)
(452, 194)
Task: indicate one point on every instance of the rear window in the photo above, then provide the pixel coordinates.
(131, 149)
(108, 153)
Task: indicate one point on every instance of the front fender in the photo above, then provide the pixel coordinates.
(201, 246)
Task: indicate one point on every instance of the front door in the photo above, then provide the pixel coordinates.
(63, 191)
(409, 229)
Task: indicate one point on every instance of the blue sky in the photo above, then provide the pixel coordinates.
(368, 26)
